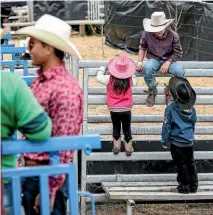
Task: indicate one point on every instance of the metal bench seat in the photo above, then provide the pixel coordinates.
(154, 191)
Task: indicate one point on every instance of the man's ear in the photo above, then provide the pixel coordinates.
(50, 49)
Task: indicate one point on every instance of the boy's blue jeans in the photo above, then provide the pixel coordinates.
(30, 190)
(8, 199)
(152, 66)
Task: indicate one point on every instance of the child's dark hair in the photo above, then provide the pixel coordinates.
(120, 85)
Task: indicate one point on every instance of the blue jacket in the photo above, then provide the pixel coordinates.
(179, 125)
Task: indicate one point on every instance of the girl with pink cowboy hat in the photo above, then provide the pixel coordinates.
(119, 98)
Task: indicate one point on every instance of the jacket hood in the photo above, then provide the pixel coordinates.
(185, 115)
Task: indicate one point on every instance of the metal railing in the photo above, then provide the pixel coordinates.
(97, 96)
(53, 146)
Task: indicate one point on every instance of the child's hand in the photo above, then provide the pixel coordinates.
(139, 66)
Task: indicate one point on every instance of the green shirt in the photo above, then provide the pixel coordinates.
(21, 111)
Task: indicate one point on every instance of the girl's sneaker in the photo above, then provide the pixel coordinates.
(128, 147)
(116, 146)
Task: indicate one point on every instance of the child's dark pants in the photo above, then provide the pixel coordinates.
(123, 118)
(183, 157)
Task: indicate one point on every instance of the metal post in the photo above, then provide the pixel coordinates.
(75, 161)
(75, 67)
(82, 30)
(25, 68)
(72, 190)
(129, 205)
(83, 160)
(118, 178)
(12, 68)
(67, 62)
(13, 56)
(88, 10)
(128, 209)
(91, 12)
(16, 195)
(30, 11)
(102, 36)
(83, 183)
(75, 73)
(44, 194)
(98, 10)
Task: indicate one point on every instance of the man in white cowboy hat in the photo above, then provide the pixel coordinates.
(60, 95)
(163, 49)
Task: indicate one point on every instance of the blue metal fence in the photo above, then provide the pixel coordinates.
(53, 146)
(16, 53)
(7, 38)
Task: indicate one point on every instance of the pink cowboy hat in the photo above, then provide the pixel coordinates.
(121, 67)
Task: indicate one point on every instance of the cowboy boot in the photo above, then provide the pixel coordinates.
(152, 93)
(128, 147)
(168, 96)
(181, 189)
(116, 146)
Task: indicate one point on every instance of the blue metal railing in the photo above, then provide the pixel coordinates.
(53, 146)
(16, 53)
(13, 63)
(6, 39)
(28, 79)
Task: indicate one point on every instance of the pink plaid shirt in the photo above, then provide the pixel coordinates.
(60, 95)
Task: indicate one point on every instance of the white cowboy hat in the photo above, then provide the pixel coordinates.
(54, 32)
(158, 22)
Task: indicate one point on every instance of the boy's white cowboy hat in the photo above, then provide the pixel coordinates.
(158, 22)
(54, 32)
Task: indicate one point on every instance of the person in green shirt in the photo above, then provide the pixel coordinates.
(19, 111)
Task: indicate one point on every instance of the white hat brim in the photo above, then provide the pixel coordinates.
(149, 28)
(51, 39)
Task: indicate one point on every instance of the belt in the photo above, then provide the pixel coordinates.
(29, 162)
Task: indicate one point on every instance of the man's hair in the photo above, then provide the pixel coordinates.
(60, 54)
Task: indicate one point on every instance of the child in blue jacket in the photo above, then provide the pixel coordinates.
(178, 133)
